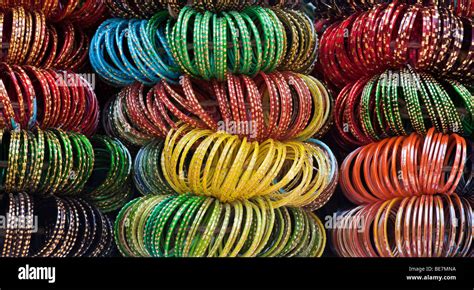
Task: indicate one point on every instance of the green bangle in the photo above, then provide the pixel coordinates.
(112, 159)
(196, 226)
(230, 48)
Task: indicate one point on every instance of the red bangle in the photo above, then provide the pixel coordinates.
(32, 96)
(282, 106)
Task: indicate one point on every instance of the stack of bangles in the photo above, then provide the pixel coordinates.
(56, 162)
(27, 39)
(300, 174)
(125, 51)
(109, 186)
(427, 38)
(417, 226)
(388, 104)
(146, 8)
(54, 227)
(344, 8)
(404, 166)
(198, 226)
(279, 105)
(208, 45)
(46, 98)
(45, 162)
(86, 13)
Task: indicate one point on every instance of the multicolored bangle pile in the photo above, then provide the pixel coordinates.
(27, 39)
(417, 226)
(46, 98)
(279, 105)
(54, 227)
(372, 108)
(146, 8)
(223, 166)
(198, 226)
(86, 13)
(404, 166)
(125, 51)
(427, 38)
(241, 73)
(109, 186)
(208, 45)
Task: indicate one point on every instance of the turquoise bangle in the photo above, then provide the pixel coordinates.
(149, 59)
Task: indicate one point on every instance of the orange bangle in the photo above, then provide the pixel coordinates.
(404, 166)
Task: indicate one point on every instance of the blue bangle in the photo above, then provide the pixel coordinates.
(109, 73)
(124, 51)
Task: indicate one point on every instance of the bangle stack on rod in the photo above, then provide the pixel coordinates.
(404, 107)
(58, 178)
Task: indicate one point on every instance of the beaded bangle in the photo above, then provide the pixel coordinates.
(193, 226)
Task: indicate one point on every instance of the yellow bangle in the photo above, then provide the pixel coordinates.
(236, 224)
(245, 230)
(224, 227)
(266, 160)
(210, 172)
(225, 167)
(235, 171)
(275, 167)
(321, 233)
(195, 181)
(221, 167)
(257, 233)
